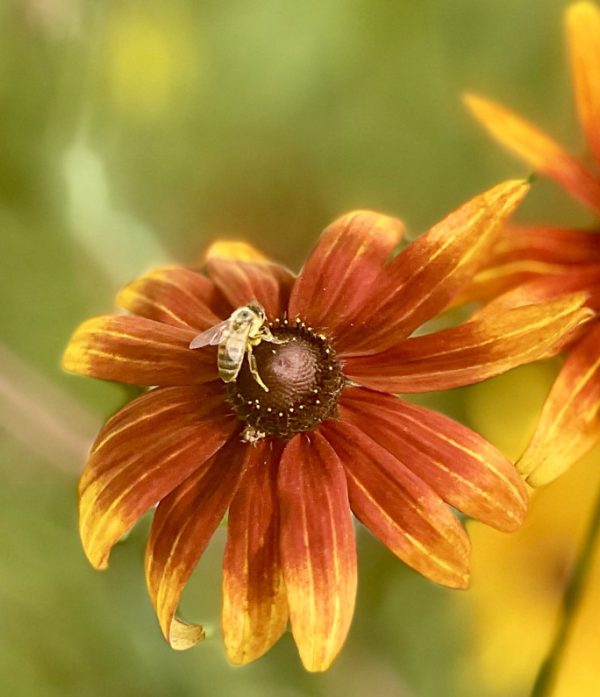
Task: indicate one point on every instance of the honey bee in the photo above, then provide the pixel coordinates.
(245, 328)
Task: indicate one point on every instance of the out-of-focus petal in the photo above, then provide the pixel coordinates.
(570, 421)
(426, 275)
(457, 463)
(494, 281)
(341, 272)
(138, 351)
(400, 508)
(580, 279)
(583, 27)
(254, 598)
(143, 453)
(553, 245)
(473, 351)
(174, 295)
(317, 548)
(183, 524)
(242, 274)
(536, 148)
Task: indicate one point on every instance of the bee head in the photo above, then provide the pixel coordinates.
(254, 309)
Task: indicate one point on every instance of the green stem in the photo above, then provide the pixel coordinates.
(572, 597)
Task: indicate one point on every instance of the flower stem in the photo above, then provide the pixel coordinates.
(571, 601)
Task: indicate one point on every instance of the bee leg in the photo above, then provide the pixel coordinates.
(267, 336)
(254, 369)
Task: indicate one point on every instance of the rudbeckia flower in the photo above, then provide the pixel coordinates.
(552, 261)
(327, 440)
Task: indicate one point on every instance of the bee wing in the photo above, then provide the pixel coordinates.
(210, 337)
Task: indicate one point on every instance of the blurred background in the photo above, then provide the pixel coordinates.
(133, 134)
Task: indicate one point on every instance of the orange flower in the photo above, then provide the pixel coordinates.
(290, 464)
(552, 261)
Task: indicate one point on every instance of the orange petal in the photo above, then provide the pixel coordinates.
(343, 269)
(399, 508)
(580, 278)
(173, 295)
(583, 28)
(457, 463)
(141, 454)
(254, 599)
(317, 548)
(473, 351)
(183, 524)
(419, 283)
(552, 245)
(570, 421)
(242, 277)
(138, 351)
(536, 148)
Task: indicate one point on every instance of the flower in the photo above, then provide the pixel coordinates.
(551, 261)
(291, 464)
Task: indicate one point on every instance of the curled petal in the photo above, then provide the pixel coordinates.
(426, 275)
(317, 548)
(344, 266)
(457, 463)
(474, 351)
(243, 281)
(400, 508)
(570, 422)
(138, 351)
(183, 524)
(173, 295)
(254, 599)
(142, 453)
(536, 148)
(583, 27)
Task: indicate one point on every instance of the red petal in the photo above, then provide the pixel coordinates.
(138, 351)
(399, 508)
(254, 599)
(457, 463)
(317, 548)
(242, 280)
(550, 244)
(473, 351)
(343, 268)
(570, 421)
(142, 454)
(183, 524)
(173, 295)
(424, 277)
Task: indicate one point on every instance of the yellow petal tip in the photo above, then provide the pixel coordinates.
(183, 636)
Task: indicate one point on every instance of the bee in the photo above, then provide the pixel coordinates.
(245, 328)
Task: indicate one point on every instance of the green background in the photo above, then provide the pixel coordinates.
(134, 133)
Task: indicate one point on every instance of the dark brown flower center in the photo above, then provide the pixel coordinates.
(304, 378)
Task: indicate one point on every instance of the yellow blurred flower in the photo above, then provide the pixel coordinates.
(151, 60)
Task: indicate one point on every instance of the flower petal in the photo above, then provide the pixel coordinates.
(142, 454)
(254, 599)
(183, 524)
(174, 295)
(457, 463)
(570, 422)
(138, 351)
(344, 266)
(550, 244)
(583, 27)
(426, 275)
(473, 351)
(242, 280)
(317, 548)
(400, 508)
(583, 278)
(536, 148)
